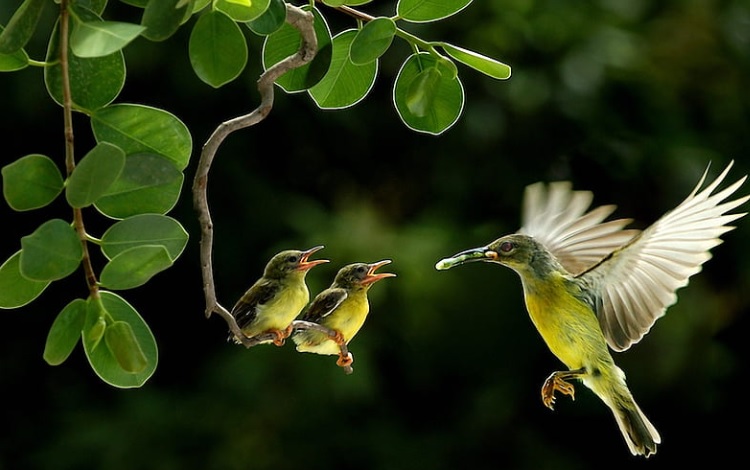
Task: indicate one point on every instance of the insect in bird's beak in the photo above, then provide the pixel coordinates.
(467, 256)
(304, 264)
(372, 276)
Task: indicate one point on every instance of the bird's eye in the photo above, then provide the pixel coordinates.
(506, 247)
(361, 270)
(292, 258)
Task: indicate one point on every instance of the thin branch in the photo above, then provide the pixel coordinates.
(70, 162)
(303, 22)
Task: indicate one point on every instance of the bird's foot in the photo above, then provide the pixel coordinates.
(280, 336)
(345, 361)
(556, 383)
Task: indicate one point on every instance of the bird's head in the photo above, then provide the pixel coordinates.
(360, 275)
(517, 251)
(290, 261)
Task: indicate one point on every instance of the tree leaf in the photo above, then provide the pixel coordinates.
(446, 100)
(15, 289)
(345, 84)
(101, 38)
(31, 182)
(372, 41)
(423, 11)
(486, 65)
(94, 81)
(103, 361)
(242, 10)
(148, 183)
(21, 26)
(123, 345)
(217, 49)
(65, 332)
(271, 20)
(145, 229)
(143, 129)
(94, 174)
(163, 18)
(286, 41)
(51, 252)
(135, 266)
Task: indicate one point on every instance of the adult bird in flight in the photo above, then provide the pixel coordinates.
(591, 285)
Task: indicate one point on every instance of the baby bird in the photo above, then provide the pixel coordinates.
(590, 284)
(343, 308)
(277, 298)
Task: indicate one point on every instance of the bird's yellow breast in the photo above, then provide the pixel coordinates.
(283, 309)
(567, 324)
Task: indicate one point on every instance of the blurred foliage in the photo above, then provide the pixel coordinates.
(629, 99)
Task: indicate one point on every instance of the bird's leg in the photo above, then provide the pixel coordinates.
(339, 339)
(280, 336)
(556, 382)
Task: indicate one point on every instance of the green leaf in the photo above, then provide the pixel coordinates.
(422, 91)
(143, 129)
(51, 252)
(21, 26)
(423, 11)
(94, 81)
(145, 229)
(285, 42)
(486, 65)
(104, 362)
(135, 266)
(14, 61)
(148, 183)
(65, 332)
(217, 49)
(95, 323)
(242, 10)
(446, 97)
(15, 289)
(372, 41)
(345, 84)
(162, 18)
(101, 38)
(94, 174)
(31, 182)
(271, 20)
(123, 345)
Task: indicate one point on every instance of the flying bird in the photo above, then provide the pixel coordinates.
(592, 285)
(342, 308)
(272, 303)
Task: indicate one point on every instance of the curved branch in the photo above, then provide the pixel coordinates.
(303, 22)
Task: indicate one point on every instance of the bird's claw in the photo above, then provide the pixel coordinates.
(337, 337)
(345, 361)
(280, 336)
(555, 383)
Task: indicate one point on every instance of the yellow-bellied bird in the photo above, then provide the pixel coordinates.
(589, 283)
(277, 298)
(343, 308)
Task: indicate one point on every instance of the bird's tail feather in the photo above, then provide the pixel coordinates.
(640, 435)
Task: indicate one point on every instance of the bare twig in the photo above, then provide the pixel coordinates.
(303, 22)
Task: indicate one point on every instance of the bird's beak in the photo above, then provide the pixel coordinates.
(482, 253)
(372, 276)
(304, 264)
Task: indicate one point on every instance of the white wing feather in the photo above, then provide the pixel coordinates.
(638, 282)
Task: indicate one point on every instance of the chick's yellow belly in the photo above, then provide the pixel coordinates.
(281, 312)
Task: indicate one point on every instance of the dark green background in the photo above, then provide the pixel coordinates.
(629, 99)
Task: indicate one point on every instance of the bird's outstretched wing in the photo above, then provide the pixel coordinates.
(638, 282)
(556, 216)
(324, 303)
(246, 309)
